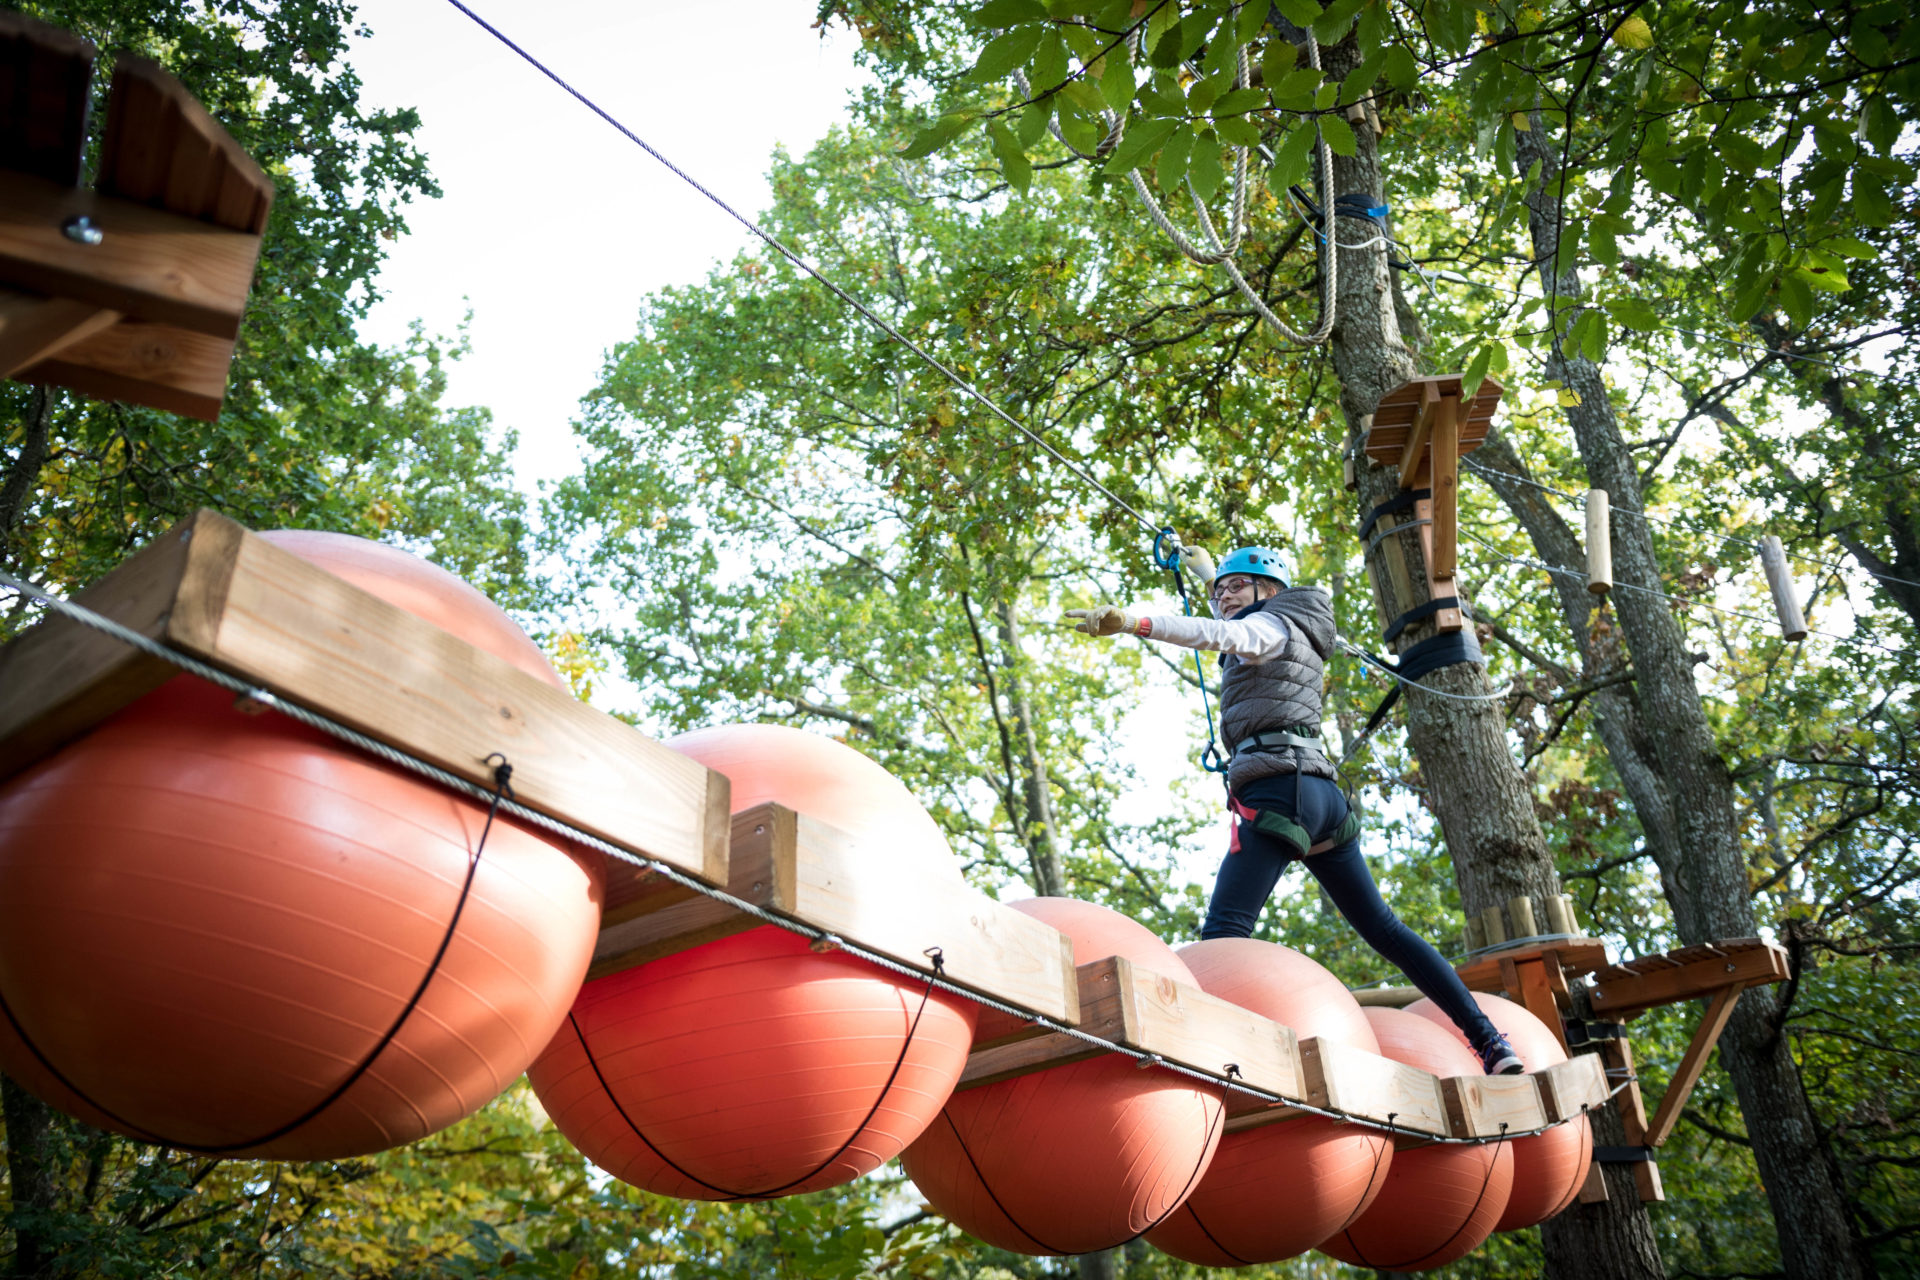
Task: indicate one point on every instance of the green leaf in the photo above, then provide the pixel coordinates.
(1032, 125)
(1331, 26)
(1402, 71)
(1049, 66)
(1850, 247)
(1116, 80)
(1240, 101)
(1297, 84)
(1339, 135)
(1141, 140)
(1277, 60)
(1238, 130)
(1634, 313)
(1204, 170)
(1797, 300)
(1870, 201)
(1879, 125)
(1301, 13)
(936, 136)
(1006, 52)
(1013, 160)
(1172, 169)
(1476, 372)
(1252, 18)
(1007, 13)
(1356, 85)
(1827, 280)
(1293, 162)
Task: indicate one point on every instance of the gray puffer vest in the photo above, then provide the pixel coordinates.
(1281, 692)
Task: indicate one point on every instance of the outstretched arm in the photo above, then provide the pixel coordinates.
(1257, 637)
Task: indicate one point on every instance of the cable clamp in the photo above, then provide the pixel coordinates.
(824, 943)
(1150, 1060)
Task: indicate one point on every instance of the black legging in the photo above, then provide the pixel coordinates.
(1250, 871)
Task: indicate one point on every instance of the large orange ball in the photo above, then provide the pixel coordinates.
(1077, 1158)
(1440, 1202)
(228, 932)
(1549, 1167)
(1279, 1190)
(753, 1067)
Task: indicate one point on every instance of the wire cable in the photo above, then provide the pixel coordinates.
(774, 243)
(1227, 1077)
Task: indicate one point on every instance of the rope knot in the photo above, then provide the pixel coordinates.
(502, 774)
(939, 958)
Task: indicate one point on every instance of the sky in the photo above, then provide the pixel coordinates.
(552, 226)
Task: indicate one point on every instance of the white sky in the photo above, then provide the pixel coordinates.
(552, 226)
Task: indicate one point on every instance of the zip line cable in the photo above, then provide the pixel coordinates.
(1228, 1077)
(772, 242)
(1580, 499)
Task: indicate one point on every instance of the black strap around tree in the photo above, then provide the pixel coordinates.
(1402, 501)
(502, 789)
(1414, 615)
(1625, 1155)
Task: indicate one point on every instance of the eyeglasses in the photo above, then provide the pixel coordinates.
(1225, 585)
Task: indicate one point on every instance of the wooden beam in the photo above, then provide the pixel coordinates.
(149, 264)
(151, 364)
(1444, 452)
(1577, 956)
(1537, 994)
(1618, 1055)
(34, 327)
(1413, 452)
(1680, 1088)
(1368, 1086)
(262, 613)
(814, 874)
(1621, 993)
(1477, 1106)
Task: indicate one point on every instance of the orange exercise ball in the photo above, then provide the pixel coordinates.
(753, 1067)
(1549, 1167)
(1279, 1190)
(1080, 1157)
(1440, 1202)
(231, 933)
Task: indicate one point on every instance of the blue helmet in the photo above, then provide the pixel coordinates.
(1261, 562)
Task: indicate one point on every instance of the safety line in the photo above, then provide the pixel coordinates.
(803, 264)
(1492, 473)
(453, 782)
(1370, 660)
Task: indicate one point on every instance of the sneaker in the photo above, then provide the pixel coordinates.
(1499, 1059)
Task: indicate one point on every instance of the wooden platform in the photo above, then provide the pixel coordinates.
(133, 290)
(213, 590)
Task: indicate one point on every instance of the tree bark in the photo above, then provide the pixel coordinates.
(1707, 883)
(1477, 790)
(1104, 1265)
(17, 488)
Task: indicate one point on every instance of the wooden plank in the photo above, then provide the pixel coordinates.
(161, 148)
(1577, 956)
(1680, 1088)
(149, 264)
(59, 678)
(46, 83)
(1444, 453)
(1567, 1088)
(1246, 1112)
(1184, 1024)
(152, 364)
(33, 327)
(1622, 993)
(1477, 1106)
(641, 922)
(1439, 587)
(1023, 1058)
(1366, 1085)
(1618, 1055)
(1105, 1009)
(277, 620)
(819, 876)
(1536, 994)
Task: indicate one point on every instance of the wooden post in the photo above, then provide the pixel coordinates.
(1680, 1088)
(1599, 544)
(1495, 927)
(1560, 918)
(1773, 559)
(1445, 450)
(1520, 916)
(1476, 934)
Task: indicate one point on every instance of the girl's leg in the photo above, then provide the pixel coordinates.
(1247, 875)
(1343, 873)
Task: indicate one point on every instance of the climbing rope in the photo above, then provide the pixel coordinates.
(499, 796)
(1171, 559)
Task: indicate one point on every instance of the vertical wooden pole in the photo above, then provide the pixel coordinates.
(1445, 450)
(1520, 916)
(1599, 544)
(1496, 927)
(1476, 933)
(1773, 559)
(1560, 915)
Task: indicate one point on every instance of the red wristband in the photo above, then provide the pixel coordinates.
(1143, 628)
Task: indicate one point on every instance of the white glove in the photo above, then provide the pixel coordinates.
(1197, 559)
(1102, 620)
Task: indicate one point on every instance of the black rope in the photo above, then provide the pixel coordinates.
(502, 789)
(1379, 1155)
(727, 1194)
(1200, 1167)
(1444, 1245)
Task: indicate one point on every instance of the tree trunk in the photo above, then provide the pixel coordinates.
(16, 489)
(1104, 1265)
(1707, 885)
(30, 1178)
(1478, 793)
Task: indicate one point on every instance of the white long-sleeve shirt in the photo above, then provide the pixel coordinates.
(1256, 638)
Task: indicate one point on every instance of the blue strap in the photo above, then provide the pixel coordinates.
(1166, 555)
